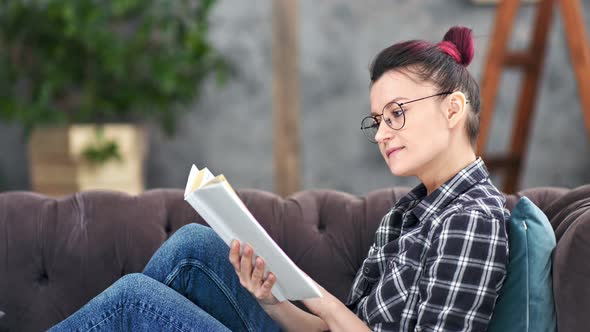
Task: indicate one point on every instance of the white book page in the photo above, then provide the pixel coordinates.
(191, 179)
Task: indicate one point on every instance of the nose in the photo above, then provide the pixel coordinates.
(384, 132)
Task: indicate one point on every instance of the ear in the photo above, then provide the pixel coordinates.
(455, 108)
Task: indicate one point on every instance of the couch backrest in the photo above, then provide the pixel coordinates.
(56, 254)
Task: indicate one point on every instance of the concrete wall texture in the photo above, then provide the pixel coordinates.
(230, 128)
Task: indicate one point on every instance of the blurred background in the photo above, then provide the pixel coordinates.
(229, 128)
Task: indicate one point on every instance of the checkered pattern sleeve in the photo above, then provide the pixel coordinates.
(464, 271)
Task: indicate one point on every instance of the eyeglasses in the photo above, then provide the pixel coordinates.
(394, 115)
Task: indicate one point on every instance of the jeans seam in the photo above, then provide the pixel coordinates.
(137, 307)
(213, 276)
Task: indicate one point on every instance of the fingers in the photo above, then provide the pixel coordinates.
(246, 263)
(261, 288)
(268, 283)
(252, 275)
(258, 272)
(234, 255)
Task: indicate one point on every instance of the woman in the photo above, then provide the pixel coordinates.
(439, 256)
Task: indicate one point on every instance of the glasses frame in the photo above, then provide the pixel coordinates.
(400, 105)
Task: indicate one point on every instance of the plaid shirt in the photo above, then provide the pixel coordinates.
(438, 261)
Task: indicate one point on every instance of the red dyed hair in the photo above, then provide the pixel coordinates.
(458, 43)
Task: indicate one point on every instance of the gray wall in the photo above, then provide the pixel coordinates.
(230, 131)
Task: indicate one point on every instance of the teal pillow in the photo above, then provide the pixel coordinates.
(525, 302)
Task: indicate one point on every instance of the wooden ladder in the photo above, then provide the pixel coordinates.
(531, 62)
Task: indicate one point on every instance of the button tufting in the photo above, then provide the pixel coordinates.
(43, 279)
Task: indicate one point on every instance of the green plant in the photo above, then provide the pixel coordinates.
(80, 61)
(102, 150)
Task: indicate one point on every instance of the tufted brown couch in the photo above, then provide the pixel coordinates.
(56, 254)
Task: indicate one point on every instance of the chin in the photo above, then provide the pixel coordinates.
(400, 170)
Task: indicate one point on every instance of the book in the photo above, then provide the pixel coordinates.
(217, 202)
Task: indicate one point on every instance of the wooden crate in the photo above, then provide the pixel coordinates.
(58, 167)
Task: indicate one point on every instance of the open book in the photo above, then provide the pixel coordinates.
(216, 201)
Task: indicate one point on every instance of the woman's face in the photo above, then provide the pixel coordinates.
(425, 134)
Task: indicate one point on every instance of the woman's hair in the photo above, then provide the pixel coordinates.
(444, 64)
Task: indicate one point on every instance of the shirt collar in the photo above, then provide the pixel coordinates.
(446, 193)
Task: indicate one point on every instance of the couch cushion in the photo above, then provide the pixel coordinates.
(528, 287)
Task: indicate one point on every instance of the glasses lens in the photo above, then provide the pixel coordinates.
(369, 126)
(394, 116)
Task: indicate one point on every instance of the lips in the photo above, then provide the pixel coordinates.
(391, 151)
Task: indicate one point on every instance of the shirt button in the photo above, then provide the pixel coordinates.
(366, 270)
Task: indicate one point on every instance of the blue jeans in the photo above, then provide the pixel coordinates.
(188, 285)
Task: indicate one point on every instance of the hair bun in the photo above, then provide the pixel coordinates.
(458, 43)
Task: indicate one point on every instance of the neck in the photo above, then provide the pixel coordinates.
(445, 166)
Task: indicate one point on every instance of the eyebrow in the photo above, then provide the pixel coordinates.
(396, 99)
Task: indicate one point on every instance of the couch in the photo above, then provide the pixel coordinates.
(56, 254)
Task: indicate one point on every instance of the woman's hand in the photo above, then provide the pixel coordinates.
(331, 313)
(321, 306)
(252, 277)
(334, 313)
